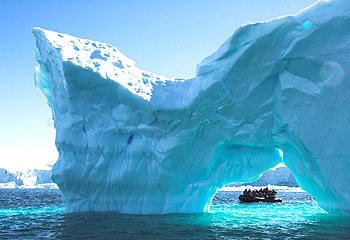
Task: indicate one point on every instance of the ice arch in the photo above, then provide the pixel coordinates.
(135, 142)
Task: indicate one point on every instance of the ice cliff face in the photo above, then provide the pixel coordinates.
(135, 142)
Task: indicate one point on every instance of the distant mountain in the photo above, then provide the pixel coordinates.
(280, 176)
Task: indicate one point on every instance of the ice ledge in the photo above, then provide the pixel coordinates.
(105, 60)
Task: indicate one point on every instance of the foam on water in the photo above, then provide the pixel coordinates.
(32, 211)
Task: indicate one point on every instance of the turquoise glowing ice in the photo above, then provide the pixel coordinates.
(307, 25)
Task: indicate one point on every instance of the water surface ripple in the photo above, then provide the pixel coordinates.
(39, 214)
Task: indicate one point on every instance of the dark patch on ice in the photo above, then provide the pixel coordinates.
(96, 64)
(118, 64)
(97, 55)
(145, 74)
(131, 138)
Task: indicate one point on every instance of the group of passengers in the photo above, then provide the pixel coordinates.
(265, 193)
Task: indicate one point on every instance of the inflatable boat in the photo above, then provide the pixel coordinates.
(248, 199)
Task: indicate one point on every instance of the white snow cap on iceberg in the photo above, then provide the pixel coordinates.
(105, 60)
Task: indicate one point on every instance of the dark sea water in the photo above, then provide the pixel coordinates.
(39, 214)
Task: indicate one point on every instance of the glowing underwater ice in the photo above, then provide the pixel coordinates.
(136, 142)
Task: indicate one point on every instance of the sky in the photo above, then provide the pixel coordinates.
(165, 37)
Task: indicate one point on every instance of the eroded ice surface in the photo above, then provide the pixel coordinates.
(136, 142)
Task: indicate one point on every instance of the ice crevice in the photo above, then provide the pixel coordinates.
(132, 141)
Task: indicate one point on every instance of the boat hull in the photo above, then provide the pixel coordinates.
(247, 199)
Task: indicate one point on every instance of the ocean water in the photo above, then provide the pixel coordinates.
(39, 214)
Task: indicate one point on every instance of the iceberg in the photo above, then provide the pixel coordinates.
(8, 178)
(132, 141)
(26, 178)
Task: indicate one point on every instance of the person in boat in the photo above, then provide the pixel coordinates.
(265, 193)
(255, 193)
(248, 193)
(272, 193)
(245, 192)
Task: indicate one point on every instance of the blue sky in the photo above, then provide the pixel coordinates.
(165, 37)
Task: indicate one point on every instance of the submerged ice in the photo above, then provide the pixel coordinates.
(136, 142)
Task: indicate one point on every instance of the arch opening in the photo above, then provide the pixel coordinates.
(278, 178)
